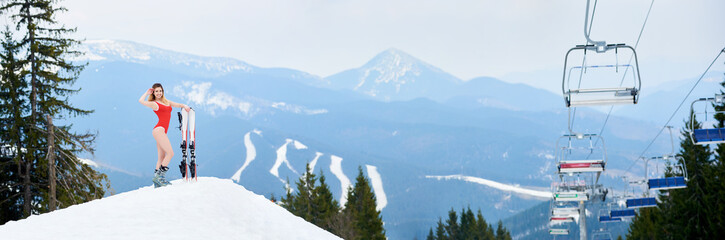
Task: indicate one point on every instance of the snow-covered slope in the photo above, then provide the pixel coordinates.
(500, 186)
(211, 208)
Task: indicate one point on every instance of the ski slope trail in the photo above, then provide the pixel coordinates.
(544, 195)
(211, 208)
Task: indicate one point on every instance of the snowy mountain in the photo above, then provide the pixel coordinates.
(211, 208)
(395, 75)
(260, 128)
(187, 64)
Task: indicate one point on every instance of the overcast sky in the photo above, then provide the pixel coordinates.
(467, 38)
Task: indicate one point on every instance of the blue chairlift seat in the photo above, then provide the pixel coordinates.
(711, 135)
(667, 183)
(641, 202)
(622, 213)
(605, 219)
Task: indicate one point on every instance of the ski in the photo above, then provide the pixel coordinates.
(187, 127)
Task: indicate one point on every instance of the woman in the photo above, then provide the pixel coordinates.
(162, 107)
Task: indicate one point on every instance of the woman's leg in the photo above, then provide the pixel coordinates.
(161, 155)
(163, 141)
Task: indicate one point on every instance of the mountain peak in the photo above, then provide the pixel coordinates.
(210, 208)
(396, 75)
(128, 51)
(396, 58)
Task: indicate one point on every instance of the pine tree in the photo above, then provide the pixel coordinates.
(483, 230)
(430, 235)
(326, 205)
(304, 199)
(452, 227)
(647, 224)
(686, 216)
(48, 77)
(361, 205)
(288, 200)
(717, 186)
(317, 205)
(468, 224)
(13, 95)
(441, 230)
(470, 227)
(502, 233)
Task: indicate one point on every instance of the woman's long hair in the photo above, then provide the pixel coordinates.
(152, 97)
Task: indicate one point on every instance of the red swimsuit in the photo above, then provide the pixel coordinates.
(164, 114)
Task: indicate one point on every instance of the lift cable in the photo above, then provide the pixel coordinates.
(676, 110)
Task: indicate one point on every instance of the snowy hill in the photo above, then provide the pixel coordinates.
(211, 208)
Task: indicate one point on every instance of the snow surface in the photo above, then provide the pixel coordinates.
(88, 162)
(314, 161)
(336, 169)
(299, 145)
(281, 158)
(377, 182)
(251, 154)
(497, 185)
(211, 208)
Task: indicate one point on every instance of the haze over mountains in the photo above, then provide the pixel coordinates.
(399, 119)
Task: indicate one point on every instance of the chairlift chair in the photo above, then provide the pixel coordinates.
(563, 212)
(622, 213)
(559, 231)
(561, 219)
(569, 209)
(567, 192)
(640, 202)
(602, 234)
(580, 155)
(708, 134)
(602, 81)
(678, 180)
(604, 217)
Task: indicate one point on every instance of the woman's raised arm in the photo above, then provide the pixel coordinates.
(143, 100)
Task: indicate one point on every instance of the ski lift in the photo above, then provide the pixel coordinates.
(709, 133)
(568, 209)
(601, 234)
(599, 88)
(559, 231)
(563, 212)
(604, 216)
(593, 85)
(570, 191)
(677, 180)
(607, 219)
(622, 213)
(579, 155)
(640, 202)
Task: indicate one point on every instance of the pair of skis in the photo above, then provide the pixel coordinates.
(186, 122)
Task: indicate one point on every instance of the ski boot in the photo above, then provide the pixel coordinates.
(160, 177)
